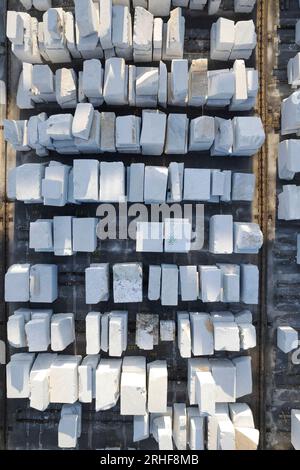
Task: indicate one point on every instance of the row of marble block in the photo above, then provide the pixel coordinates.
(152, 133)
(119, 84)
(228, 283)
(142, 392)
(96, 31)
(198, 334)
(158, 7)
(231, 427)
(89, 181)
(52, 378)
(67, 235)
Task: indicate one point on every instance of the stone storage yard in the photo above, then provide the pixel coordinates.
(109, 428)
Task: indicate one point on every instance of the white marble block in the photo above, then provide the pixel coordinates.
(43, 283)
(41, 235)
(135, 182)
(39, 381)
(133, 386)
(226, 336)
(224, 374)
(155, 185)
(248, 238)
(115, 89)
(249, 284)
(205, 391)
(157, 387)
(154, 283)
(180, 426)
(195, 365)
(287, 339)
(141, 428)
(17, 283)
(86, 180)
(184, 334)
(177, 134)
(38, 331)
(64, 379)
(97, 283)
(117, 333)
(295, 429)
(167, 330)
(93, 332)
(193, 191)
(62, 331)
(108, 376)
(243, 375)
(202, 334)
(177, 235)
(189, 283)
(62, 236)
(87, 17)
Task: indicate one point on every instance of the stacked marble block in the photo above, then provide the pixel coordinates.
(152, 134)
(40, 329)
(121, 84)
(203, 334)
(99, 29)
(231, 41)
(64, 235)
(58, 185)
